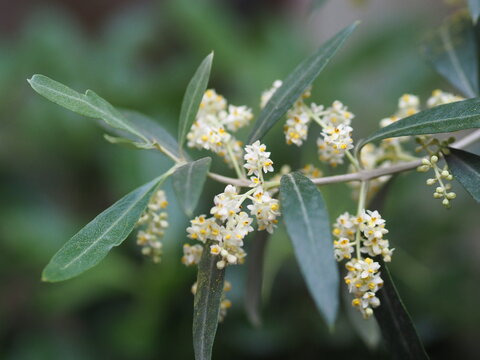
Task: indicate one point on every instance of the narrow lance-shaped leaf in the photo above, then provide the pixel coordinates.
(253, 289)
(397, 328)
(465, 167)
(88, 104)
(91, 244)
(193, 97)
(452, 51)
(139, 129)
(188, 181)
(474, 6)
(206, 308)
(308, 226)
(296, 83)
(440, 119)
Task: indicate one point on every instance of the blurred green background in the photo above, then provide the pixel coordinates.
(57, 173)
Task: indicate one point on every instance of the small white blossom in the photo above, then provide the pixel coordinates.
(334, 143)
(257, 159)
(154, 220)
(296, 128)
(266, 210)
(192, 254)
(237, 117)
(440, 97)
(226, 203)
(343, 249)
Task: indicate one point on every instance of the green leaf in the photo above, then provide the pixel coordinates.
(193, 97)
(308, 225)
(132, 127)
(153, 131)
(206, 306)
(188, 181)
(452, 51)
(474, 6)
(296, 83)
(397, 328)
(88, 104)
(465, 167)
(440, 119)
(91, 244)
(253, 289)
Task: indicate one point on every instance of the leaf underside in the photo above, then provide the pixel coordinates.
(308, 226)
(93, 242)
(188, 181)
(193, 97)
(206, 306)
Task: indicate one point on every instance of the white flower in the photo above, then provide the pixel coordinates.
(201, 228)
(439, 98)
(335, 143)
(237, 117)
(155, 223)
(257, 159)
(192, 254)
(345, 227)
(296, 128)
(337, 114)
(363, 281)
(212, 103)
(343, 249)
(226, 203)
(266, 210)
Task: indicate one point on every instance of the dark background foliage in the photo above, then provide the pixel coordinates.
(57, 172)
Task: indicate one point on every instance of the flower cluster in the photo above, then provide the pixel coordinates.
(334, 140)
(363, 281)
(213, 124)
(228, 225)
(366, 232)
(155, 222)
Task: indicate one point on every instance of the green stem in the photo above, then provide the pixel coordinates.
(361, 206)
(238, 170)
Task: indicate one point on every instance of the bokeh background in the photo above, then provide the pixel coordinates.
(57, 172)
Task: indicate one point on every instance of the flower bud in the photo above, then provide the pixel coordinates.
(445, 202)
(425, 162)
(445, 173)
(451, 195)
(434, 159)
(431, 181)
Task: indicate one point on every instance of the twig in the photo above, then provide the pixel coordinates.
(362, 175)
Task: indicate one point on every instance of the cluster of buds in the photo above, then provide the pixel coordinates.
(366, 232)
(442, 175)
(154, 220)
(228, 225)
(214, 124)
(334, 140)
(225, 303)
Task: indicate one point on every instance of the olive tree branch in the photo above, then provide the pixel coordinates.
(362, 175)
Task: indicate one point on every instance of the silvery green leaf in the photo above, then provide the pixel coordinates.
(206, 307)
(193, 97)
(188, 181)
(109, 229)
(308, 226)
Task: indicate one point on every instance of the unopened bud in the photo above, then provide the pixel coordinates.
(445, 173)
(437, 195)
(434, 159)
(451, 195)
(445, 202)
(431, 181)
(425, 162)
(439, 189)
